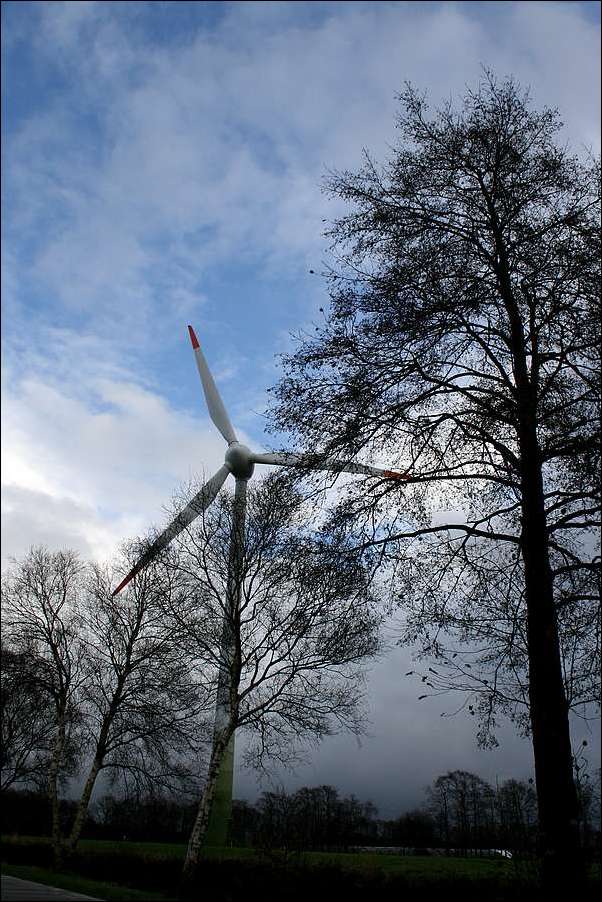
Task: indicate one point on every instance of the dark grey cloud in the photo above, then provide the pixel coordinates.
(408, 745)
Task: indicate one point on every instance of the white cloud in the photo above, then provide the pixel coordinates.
(160, 162)
(214, 150)
(31, 518)
(95, 463)
(62, 22)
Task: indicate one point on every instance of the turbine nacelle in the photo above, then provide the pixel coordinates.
(239, 460)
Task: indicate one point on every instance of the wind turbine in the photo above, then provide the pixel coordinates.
(239, 462)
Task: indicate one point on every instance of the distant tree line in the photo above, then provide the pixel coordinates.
(461, 813)
(310, 818)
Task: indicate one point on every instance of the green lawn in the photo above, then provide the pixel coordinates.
(412, 866)
(417, 866)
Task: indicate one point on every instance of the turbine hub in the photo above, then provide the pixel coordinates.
(239, 462)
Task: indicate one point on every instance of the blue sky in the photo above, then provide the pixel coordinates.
(162, 165)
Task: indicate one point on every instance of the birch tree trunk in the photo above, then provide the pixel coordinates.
(53, 792)
(199, 830)
(82, 807)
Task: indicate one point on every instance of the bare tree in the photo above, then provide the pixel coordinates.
(516, 806)
(588, 792)
(415, 828)
(277, 831)
(41, 598)
(300, 623)
(473, 632)
(470, 813)
(143, 714)
(118, 690)
(463, 342)
(461, 802)
(27, 722)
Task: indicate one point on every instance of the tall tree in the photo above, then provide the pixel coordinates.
(463, 341)
(27, 722)
(115, 684)
(516, 811)
(312, 818)
(142, 713)
(301, 623)
(415, 828)
(41, 598)
(462, 805)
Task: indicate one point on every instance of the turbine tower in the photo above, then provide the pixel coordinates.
(239, 462)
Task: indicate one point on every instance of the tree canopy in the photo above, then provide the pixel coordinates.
(462, 345)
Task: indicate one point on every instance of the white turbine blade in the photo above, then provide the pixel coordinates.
(217, 411)
(315, 462)
(199, 503)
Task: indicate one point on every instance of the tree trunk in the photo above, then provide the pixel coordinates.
(53, 792)
(99, 757)
(82, 807)
(199, 829)
(556, 794)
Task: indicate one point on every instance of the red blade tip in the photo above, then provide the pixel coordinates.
(392, 475)
(193, 338)
(123, 583)
(126, 580)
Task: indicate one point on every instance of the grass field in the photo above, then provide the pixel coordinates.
(151, 871)
(421, 867)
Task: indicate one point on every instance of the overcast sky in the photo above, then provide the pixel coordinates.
(162, 165)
